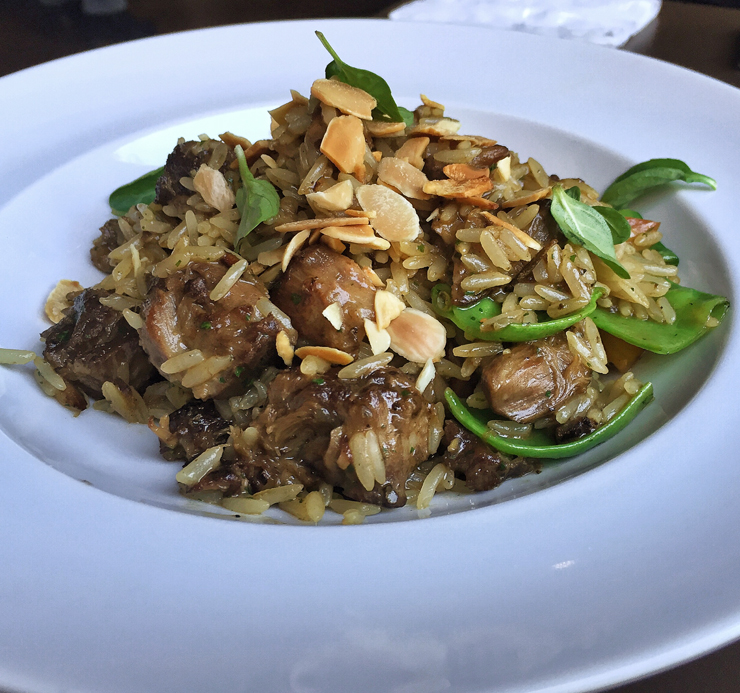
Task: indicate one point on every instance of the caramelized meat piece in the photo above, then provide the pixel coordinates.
(184, 160)
(577, 428)
(194, 428)
(316, 278)
(234, 336)
(534, 379)
(481, 466)
(110, 238)
(459, 296)
(93, 344)
(315, 429)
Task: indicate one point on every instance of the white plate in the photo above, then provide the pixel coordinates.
(609, 575)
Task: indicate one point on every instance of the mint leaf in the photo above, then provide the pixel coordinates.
(142, 189)
(257, 199)
(584, 226)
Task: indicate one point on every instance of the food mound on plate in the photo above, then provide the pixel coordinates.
(367, 308)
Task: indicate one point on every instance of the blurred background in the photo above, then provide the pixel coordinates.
(702, 35)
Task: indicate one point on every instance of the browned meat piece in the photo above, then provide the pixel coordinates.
(534, 379)
(93, 344)
(315, 429)
(193, 428)
(179, 316)
(110, 238)
(481, 466)
(577, 428)
(459, 296)
(184, 160)
(316, 278)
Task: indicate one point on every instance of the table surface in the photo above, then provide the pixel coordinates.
(700, 37)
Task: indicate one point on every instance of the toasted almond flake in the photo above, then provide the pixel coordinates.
(473, 139)
(379, 128)
(360, 213)
(431, 104)
(284, 347)
(314, 365)
(418, 337)
(334, 199)
(377, 156)
(481, 202)
(57, 301)
(232, 276)
(464, 172)
(426, 376)
(182, 361)
(395, 217)
(523, 237)
(404, 177)
(259, 148)
(387, 308)
(268, 258)
(230, 139)
(334, 243)
(214, 188)
(503, 167)
(412, 150)
(296, 243)
(526, 198)
(344, 145)
(345, 97)
(321, 223)
(438, 127)
(379, 339)
(333, 313)
(454, 189)
(372, 275)
(329, 354)
(315, 236)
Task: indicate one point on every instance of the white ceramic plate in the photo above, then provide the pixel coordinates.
(596, 578)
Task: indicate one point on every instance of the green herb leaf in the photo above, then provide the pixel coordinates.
(618, 224)
(539, 444)
(583, 225)
(692, 310)
(469, 318)
(650, 174)
(141, 190)
(368, 81)
(257, 199)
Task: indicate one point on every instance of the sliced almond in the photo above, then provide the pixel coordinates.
(412, 150)
(321, 223)
(438, 127)
(418, 337)
(404, 177)
(454, 189)
(346, 98)
(344, 145)
(379, 339)
(395, 218)
(431, 104)
(284, 347)
(377, 156)
(334, 243)
(360, 213)
(230, 139)
(372, 275)
(329, 354)
(214, 188)
(380, 128)
(314, 365)
(526, 198)
(464, 172)
(334, 199)
(426, 376)
(521, 235)
(259, 148)
(473, 139)
(57, 301)
(481, 202)
(387, 308)
(296, 243)
(333, 313)
(315, 237)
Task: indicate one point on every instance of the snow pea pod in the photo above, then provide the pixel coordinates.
(692, 307)
(539, 444)
(469, 317)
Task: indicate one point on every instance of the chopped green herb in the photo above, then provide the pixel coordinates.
(296, 298)
(222, 379)
(548, 393)
(205, 325)
(413, 449)
(178, 263)
(405, 393)
(238, 371)
(421, 248)
(319, 381)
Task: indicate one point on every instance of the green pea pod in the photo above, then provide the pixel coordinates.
(692, 307)
(539, 444)
(142, 189)
(469, 317)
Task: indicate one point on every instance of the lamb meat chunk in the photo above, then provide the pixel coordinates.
(317, 277)
(93, 344)
(533, 379)
(194, 427)
(236, 338)
(184, 160)
(315, 429)
(575, 429)
(482, 467)
(110, 238)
